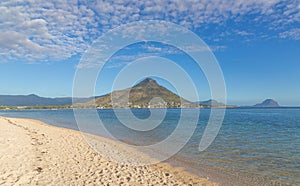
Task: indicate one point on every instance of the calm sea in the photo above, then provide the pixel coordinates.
(253, 147)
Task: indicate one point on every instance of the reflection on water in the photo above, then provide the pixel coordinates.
(255, 145)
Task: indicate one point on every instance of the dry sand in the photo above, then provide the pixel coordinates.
(34, 153)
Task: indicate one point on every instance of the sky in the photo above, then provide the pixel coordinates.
(256, 44)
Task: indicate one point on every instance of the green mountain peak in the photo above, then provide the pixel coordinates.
(147, 93)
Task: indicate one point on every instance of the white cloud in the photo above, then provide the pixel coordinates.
(291, 34)
(148, 49)
(243, 33)
(42, 30)
(58, 29)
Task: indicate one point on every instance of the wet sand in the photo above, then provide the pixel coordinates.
(34, 153)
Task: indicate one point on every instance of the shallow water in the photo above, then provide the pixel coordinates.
(258, 146)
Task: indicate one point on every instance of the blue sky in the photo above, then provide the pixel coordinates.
(255, 42)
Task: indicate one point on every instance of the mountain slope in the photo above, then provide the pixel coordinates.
(146, 93)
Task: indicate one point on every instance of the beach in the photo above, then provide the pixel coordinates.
(34, 153)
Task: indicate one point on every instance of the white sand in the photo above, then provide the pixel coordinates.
(34, 153)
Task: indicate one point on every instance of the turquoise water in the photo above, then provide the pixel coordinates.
(254, 146)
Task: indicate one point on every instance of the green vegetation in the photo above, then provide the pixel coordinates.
(143, 95)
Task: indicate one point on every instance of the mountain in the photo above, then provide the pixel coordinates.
(268, 103)
(141, 95)
(147, 93)
(210, 103)
(34, 100)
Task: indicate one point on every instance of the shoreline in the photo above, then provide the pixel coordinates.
(54, 155)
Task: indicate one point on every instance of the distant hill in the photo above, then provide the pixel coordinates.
(34, 100)
(140, 95)
(267, 103)
(210, 103)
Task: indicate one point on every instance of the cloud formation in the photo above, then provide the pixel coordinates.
(43, 30)
(292, 34)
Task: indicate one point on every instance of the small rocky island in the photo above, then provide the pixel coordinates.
(267, 103)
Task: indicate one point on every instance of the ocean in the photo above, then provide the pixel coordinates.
(253, 146)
